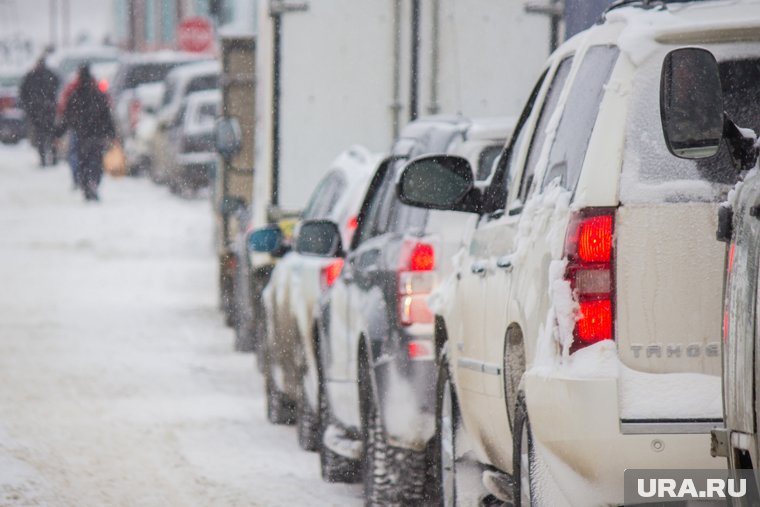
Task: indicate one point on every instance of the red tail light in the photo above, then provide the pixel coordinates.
(590, 255)
(421, 350)
(330, 273)
(103, 85)
(352, 224)
(416, 280)
(7, 103)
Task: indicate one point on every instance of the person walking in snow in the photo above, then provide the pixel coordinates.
(88, 115)
(71, 156)
(37, 95)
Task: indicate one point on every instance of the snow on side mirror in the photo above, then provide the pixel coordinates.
(691, 103)
(443, 182)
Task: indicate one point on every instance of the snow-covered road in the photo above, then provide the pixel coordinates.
(118, 384)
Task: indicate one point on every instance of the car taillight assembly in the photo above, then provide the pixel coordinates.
(7, 103)
(589, 250)
(416, 280)
(328, 274)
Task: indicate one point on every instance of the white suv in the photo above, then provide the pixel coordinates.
(580, 336)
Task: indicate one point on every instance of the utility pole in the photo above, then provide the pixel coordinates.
(556, 13)
(415, 64)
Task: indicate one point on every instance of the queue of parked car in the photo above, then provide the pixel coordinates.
(541, 299)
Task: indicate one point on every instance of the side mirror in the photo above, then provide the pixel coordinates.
(691, 103)
(443, 182)
(227, 137)
(268, 239)
(320, 238)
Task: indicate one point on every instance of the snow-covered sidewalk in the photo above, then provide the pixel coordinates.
(118, 384)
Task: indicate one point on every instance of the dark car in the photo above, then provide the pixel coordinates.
(377, 356)
(135, 70)
(12, 117)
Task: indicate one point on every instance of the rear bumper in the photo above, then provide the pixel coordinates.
(590, 449)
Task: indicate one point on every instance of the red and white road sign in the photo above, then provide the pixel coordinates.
(195, 34)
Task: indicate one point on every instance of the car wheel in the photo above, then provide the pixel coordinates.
(374, 460)
(448, 421)
(280, 410)
(244, 323)
(523, 457)
(307, 421)
(333, 466)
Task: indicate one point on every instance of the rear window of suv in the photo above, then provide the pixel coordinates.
(650, 172)
(574, 130)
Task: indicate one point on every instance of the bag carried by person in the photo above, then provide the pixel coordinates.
(114, 161)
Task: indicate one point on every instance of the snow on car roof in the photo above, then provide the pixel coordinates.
(491, 128)
(162, 56)
(638, 32)
(356, 162)
(80, 51)
(192, 69)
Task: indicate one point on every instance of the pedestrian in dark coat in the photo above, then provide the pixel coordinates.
(37, 94)
(88, 115)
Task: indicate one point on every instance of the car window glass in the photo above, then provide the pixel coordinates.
(539, 134)
(574, 130)
(206, 113)
(496, 193)
(650, 172)
(169, 90)
(486, 161)
(312, 207)
(371, 206)
(147, 73)
(335, 189)
(388, 201)
(202, 83)
(180, 118)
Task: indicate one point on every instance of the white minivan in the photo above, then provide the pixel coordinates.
(580, 335)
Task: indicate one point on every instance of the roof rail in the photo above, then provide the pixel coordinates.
(645, 4)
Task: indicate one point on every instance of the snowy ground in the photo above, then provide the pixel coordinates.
(118, 384)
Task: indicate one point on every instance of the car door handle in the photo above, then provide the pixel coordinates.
(479, 268)
(504, 262)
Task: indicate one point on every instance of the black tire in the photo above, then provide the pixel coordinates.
(245, 341)
(280, 410)
(308, 424)
(333, 466)
(523, 480)
(447, 422)
(227, 291)
(374, 460)
(392, 475)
